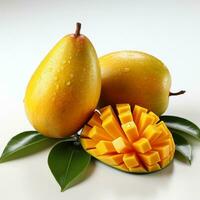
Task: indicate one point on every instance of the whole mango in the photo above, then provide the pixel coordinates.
(65, 88)
(137, 78)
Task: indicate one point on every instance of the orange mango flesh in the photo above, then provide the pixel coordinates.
(130, 139)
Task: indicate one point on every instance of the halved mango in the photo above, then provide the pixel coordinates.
(134, 142)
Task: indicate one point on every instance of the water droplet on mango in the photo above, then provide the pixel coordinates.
(64, 62)
(126, 69)
(57, 86)
(68, 83)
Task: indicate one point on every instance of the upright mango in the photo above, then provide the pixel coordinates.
(65, 88)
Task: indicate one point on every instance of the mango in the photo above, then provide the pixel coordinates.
(130, 139)
(65, 88)
(137, 78)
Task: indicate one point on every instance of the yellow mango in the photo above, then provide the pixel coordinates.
(136, 78)
(65, 88)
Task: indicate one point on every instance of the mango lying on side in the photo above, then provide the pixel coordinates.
(132, 141)
(139, 78)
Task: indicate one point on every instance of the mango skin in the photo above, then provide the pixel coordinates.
(134, 77)
(65, 88)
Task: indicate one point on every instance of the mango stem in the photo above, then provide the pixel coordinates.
(78, 29)
(176, 93)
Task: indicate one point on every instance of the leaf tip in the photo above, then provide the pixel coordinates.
(63, 189)
(2, 160)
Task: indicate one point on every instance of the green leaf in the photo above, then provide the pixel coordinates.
(182, 126)
(183, 148)
(24, 144)
(68, 163)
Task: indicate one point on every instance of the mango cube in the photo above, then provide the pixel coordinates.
(112, 127)
(151, 133)
(142, 145)
(138, 169)
(106, 112)
(144, 121)
(122, 167)
(113, 160)
(130, 160)
(156, 118)
(98, 133)
(88, 143)
(152, 168)
(121, 108)
(85, 131)
(150, 158)
(121, 145)
(163, 151)
(95, 120)
(131, 132)
(126, 117)
(105, 147)
(137, 112)
(164, 162)
(93, 152)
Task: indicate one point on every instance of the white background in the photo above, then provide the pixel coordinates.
(170, 30)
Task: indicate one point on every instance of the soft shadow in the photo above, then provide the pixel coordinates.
(144, 186)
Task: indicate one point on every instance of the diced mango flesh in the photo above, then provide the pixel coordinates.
(163, 151)
(164, 131)
(151, 133)
(121, 108)
(85, 131)
(139, 144)
(95, 120)
(122, 167)
(139, 169)
(121, 145)
(126, 117)
(150, 158)
(156, 118)
(131, 132)
(98, 133)
(112, 127)
(137, 112)
(88, 143)
(164, 162)
(113, 160)
(93, 152)
(142, 145)
(152, 168)
(144, 121)
(106, 112)
(105, 147)
(130, 160)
